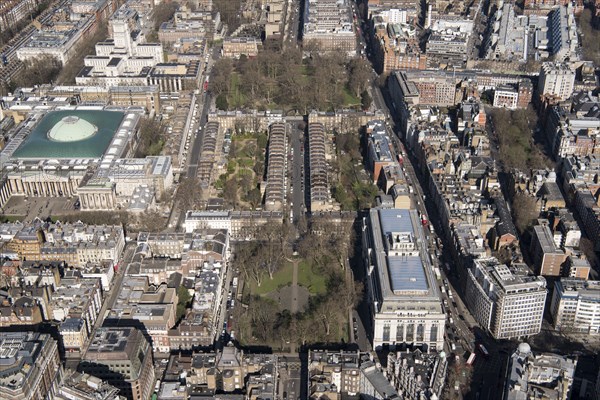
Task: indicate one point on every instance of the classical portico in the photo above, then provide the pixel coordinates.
(98, 195)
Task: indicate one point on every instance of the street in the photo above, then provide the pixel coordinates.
(290, 379)
(115, 289)
(297, 166)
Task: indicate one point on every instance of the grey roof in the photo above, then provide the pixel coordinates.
(395, 220)
(407, 274)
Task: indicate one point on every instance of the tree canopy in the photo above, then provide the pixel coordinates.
(286, 80)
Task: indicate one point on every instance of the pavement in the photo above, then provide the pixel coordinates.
(290, 377)
(297, 168)
(111, 296)
(294, 307)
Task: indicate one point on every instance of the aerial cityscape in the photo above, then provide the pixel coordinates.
(300, 199)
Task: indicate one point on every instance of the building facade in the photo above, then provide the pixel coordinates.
(507, 302)
(405, 301)
(30, 366)
(576, 305)
(556, 80)
(123, 358)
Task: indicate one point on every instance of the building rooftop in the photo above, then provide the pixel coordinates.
(88, 132)
(403, 266)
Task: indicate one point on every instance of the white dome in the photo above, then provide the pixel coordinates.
(72, 129)
(524, 349)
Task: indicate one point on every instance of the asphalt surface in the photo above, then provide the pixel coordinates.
(115, 289)
(290, 377)
(297, 167)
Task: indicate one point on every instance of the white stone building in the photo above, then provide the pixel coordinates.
(576, 305)
(507, 302)
(557, 79)
(403, 294)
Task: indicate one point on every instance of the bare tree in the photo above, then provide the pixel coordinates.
(189, 194)
(360, 73)
(524, 210)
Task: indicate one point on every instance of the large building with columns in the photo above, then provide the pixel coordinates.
(82, 151)
(404, 299)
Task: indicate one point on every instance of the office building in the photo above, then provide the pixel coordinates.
(235, 47)
(563, 33)
(123, 59)
(402, 290)
(379, 153)
(506, 301)
(541, 376)
(78, 386)
(417, 375)
(556, 80)
(548, 259)
(576, 306)
(30, 366)
(59, 42)
(448, 44)
(328, 26)
(123, 358)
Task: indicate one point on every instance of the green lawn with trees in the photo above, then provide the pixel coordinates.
(239, 184)
(314, 282)
(284, 80)
(514, 131)
(183, 302)
(265, 268)
(353, 190)
(590, 37)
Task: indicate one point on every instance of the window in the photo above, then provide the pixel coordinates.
(410, 333)
(420, 333)
(433, 333)
(386, 333)
(400, 333)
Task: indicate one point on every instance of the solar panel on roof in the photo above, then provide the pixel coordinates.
(395, 220)
(407, 274)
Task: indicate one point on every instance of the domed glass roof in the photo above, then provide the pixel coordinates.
(72, 129)
(70, 134)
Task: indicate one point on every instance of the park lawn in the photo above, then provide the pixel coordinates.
(350, 99)
(246, 162)
(281, 278)
(236, 99)
(315, 283)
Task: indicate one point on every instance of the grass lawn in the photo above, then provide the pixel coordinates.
(350, 99)
(235, 98)
(281, 278)
(306, 277)
(246, 162)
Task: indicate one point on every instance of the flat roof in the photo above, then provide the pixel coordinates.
(407, 274)
(38, 144)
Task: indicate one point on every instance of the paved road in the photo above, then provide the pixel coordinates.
(294, 307)
(204, 101)
(360, 332)
(297, 166)
(111, 295)
(290, 379)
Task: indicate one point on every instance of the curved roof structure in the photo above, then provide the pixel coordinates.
(71, 134)
(72, 129)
